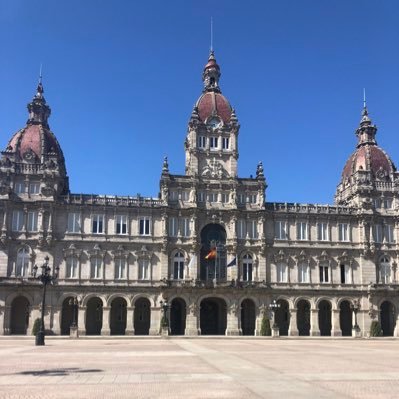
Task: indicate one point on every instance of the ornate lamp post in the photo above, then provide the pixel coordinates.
(355, 306)
(274, 306)
(46, 278)
(165, 321)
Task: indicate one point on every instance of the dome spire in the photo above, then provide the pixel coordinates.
(211, 74)
(39, 111)
(366, 131)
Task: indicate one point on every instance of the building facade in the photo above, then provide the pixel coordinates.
(210, 243)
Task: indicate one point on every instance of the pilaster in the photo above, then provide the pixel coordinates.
(129, 320)
(81, 320)
(155, 323)
(335, 324)
(314, 323)
(293, 327)
(232, 327)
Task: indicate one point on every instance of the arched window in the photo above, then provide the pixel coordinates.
(385, 270)
(247, 266)
(303, 275)
(22, 264)
(71, 267)
(281, 272)
(178, 266)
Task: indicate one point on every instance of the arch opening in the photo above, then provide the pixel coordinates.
(118, 316)
(303, 318)
(387, 318)
(213, 316)
(178, 317)
(94, 316)
(282, 317)
(142, 316)
(325, 318)
(345, 318)
(67, 316)
(19, 315)
(248, 317)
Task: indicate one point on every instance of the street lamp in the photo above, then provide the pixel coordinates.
(355, 306)
(273, 307)
(74, 303)
(165, 321)
(45, 278)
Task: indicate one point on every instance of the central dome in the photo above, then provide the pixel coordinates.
(212, 103)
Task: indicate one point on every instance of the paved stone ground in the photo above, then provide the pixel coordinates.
(200, 368)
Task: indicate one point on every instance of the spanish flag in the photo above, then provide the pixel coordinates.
(211, 255)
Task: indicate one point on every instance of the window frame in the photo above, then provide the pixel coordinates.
(144, 225)
(99, 219)
(121, 220)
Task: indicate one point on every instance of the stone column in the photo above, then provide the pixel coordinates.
(56, 313)
(293, 328)
(192, 322)
(314, 323)
(258, 320)
(4, 320)
(232, 327)
(81, 320)
(105, 330)
(335, 325)
(396, 329)
(129, 320)
(155, 323)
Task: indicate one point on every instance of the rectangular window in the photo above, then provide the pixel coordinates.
(121, 224)
(225, 143)
(345, 274)
(145, 226)
(240, 198)
(213, 143)
(280, 230)
(343, 232)
(95, 267)
(34, 188)
(73, 222)
(97, 226)
(241, 228)
(71, 267)
(251, 199)
(247, 271)
(144, 269)
(322, 231)
(19, 187)
(178, 268)
(201, 196)
(17, 220)
(32, 221)
(120, 268)
(225, 198)
(252, 229)
(387, 202)
(212, 197)
(281, 273)
(389, 233)
(185, 195)
(378, 233)
(302, 231)
(323, 271)
(303, 276)
(185, 227)
(201, 141)
(173, 195)
(173, 227)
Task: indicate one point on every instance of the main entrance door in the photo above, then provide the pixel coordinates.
(213, 316)
(178, 317)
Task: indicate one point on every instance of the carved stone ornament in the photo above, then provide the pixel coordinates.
(193, 309)
(302, 257)
(345, 258)
(72, 251)
(280, 256)
(29, 155)
(4, 189)
(381, 174)
(144, 253)
(48, 190)
(234, 309)
(214, 170)
(323, 257)
(120, 252)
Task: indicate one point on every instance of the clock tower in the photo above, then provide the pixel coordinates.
(211, 143)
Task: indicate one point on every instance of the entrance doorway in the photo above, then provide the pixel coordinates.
(19, 315)
(94, 316)
(178, 317)
(345, 318)
(325, 318)
(142, 317)
(388, 319)
(282, 317)
(118, 316)
(303, 318)
(248, 317)
(213, 316)
(66, 316)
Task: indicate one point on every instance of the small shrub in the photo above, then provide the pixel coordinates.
(36, 326)
(265, 329)
(375, 329)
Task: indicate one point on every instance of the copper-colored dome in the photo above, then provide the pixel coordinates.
(369, 158)
(213, 103)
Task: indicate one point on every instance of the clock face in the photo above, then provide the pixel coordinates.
(214, 122)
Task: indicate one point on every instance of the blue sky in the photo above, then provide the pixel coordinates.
(122, 77)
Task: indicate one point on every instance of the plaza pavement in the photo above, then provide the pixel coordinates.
(204, 367)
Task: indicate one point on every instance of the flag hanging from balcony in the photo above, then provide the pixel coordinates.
(233, 262)
(211, 254)
(192, 260)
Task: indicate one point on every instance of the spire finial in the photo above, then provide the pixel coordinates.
(211, 34)
(40, 73)
(364, 98)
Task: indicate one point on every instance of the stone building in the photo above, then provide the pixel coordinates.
(210, 243)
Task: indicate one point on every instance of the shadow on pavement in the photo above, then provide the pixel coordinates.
(59, 371)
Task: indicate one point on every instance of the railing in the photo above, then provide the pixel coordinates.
(309, 208)
(112, 200)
